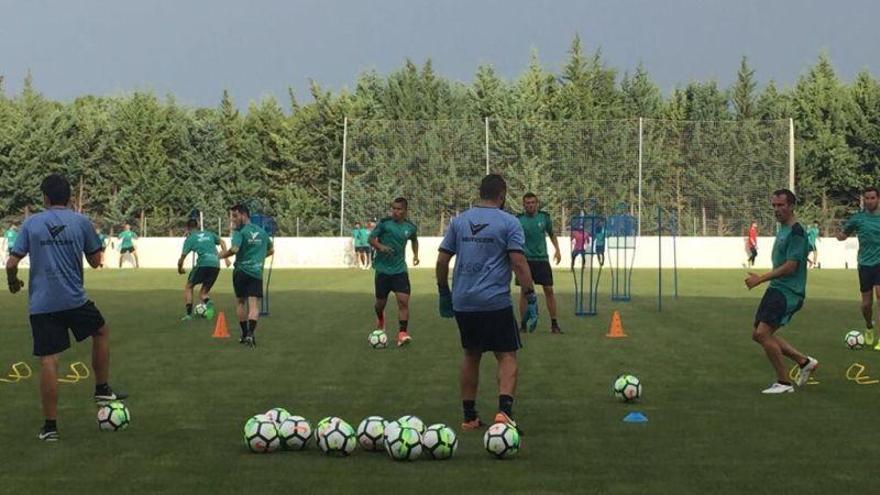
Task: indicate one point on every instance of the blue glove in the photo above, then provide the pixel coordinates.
(446, 303)
(531, 315)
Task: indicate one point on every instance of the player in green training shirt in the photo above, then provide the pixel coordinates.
(126, 245)
(250, 246)
(389, 239)
(10, 236)
(104, 241)
(536, 224)
(207, 268)
(785, 295)
(812, 240)
(361, 240)
(866, 224)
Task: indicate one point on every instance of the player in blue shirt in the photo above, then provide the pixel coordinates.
(56, 240)
(488, 244)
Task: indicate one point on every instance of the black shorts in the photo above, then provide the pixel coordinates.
(542, 273)
(126, 250)
(774, 309)
(869, 277)
(246, 286)
(204, 275)
(488, 331)
(397, 283)
(50, 329)
(362, 249)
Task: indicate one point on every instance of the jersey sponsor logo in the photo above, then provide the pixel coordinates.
(476, 228)
(54, 230)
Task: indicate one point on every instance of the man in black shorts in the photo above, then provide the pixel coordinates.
(536, 224)
(389, 239)
(487, 243)
(56, 241)
(866, 225)
(250, 246)
(207, 268)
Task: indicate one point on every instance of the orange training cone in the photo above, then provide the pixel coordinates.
(220, 330)
(615, 330)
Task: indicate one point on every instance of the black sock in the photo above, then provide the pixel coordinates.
(102, 388)
(206, 300)
(51, 425)
(251, 326)
(380, 313)
(403, 325)
(189, 309)
(470, 409)
(522, 324)
(554, 323)
(505, 404)
(244, 327)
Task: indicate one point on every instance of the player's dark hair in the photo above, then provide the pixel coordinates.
(192, 223)
(493, 187)
(241, 209)
(530, 195)
(57, 189)
(871, 189)
(401, 201)
(790, 198)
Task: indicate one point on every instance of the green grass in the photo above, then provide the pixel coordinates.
(710, 431)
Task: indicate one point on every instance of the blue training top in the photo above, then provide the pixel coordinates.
(481, 239)
(56, 240)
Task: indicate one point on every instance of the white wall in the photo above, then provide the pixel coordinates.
(337, 252)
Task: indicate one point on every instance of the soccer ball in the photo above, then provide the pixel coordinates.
(323, 424)
(855, 340)
(336, 438)
(378, 339)
(261, 435)
(371, 433)
(201, 309)
(501, 440)
(295, 432)
(113, 416)
(627, 387)
(413, 422)
(402, 442)
(439, 441)
(277, 415)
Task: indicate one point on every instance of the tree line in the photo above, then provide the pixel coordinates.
(151, 161)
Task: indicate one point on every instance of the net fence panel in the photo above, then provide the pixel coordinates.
(569, 165)
(436, 165)
(715, 177)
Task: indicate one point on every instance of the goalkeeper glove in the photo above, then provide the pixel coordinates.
(445, 303)
(531, 315)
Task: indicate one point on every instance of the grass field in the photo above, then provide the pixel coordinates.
(710, 430)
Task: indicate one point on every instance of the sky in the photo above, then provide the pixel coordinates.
(195, 49)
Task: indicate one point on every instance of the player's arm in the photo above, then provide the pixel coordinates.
(557, 256)
(441, 270)
(521, 269)
(848, 228)
(374, 240)
(271, 250)
(222, 245)
(233, 249)
(797, 250)
(15, 284)
(415, 249)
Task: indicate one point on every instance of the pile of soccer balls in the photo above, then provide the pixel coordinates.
(113, 416)
(405, 439)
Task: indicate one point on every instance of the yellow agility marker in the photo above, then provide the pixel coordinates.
(795, 371)
(78, 371)
(20, 371)
(856, 373)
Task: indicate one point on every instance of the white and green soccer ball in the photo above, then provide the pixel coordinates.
(336, 437)
(413, 422)
(439, 442)
(261, 435)
(627, 387)
(295, 432)
(277, 415)
(201, 309)
(378, 339)
(113, 416)
(371, 433)
(855, 340)
(502, 441)
(402, 442)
